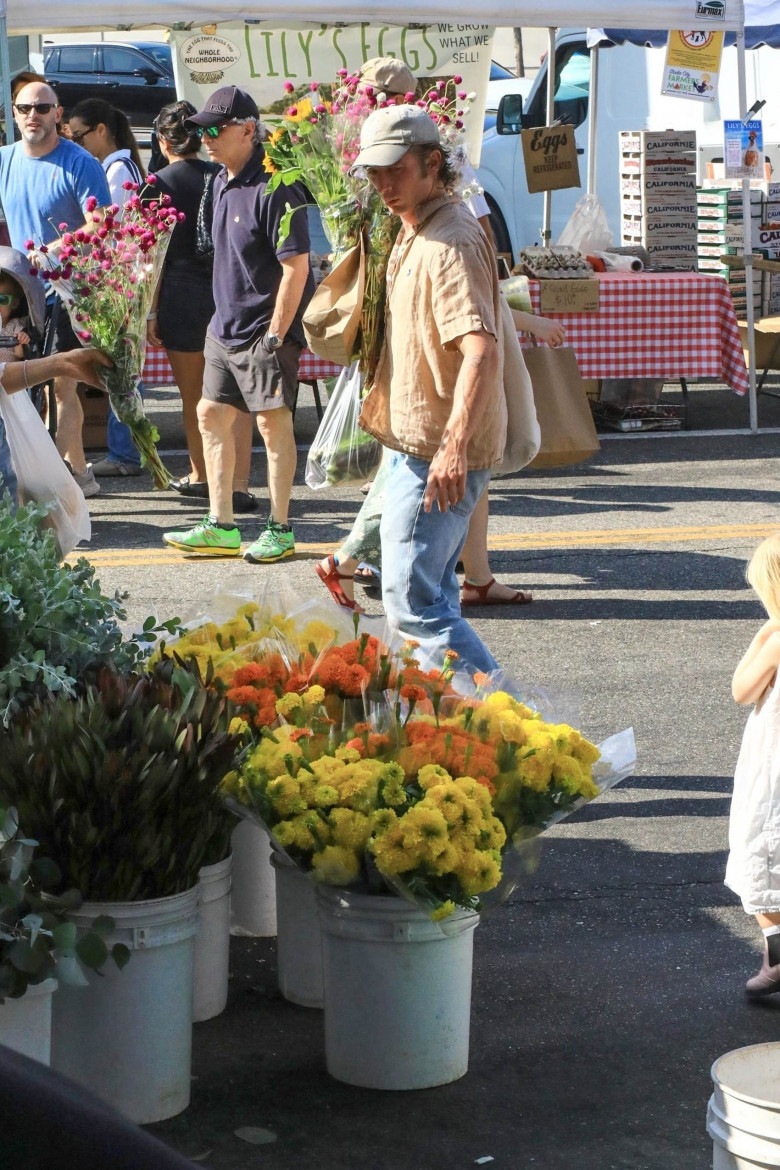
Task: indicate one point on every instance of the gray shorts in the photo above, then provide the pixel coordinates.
(251, 379)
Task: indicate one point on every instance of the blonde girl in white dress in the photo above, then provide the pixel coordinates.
(753, 870)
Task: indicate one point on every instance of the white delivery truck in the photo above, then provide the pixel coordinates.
(629, 98)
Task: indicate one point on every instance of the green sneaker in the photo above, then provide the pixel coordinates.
(207, 539)
(275, 543)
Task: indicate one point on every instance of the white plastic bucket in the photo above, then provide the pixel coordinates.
(128, 1036)
(298, 945)
(253, 905)
(25, 1023)
(743, 1115)
(397, 991)
(212, 944)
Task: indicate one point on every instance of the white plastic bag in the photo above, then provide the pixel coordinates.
(587, 229)
(341, 452)
(42, 475)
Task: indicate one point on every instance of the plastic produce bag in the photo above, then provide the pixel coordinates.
(42, 475)
(587, 229)
(341, 452)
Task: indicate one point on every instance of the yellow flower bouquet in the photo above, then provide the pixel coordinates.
(368, 771)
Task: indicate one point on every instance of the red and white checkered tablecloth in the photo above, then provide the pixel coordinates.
(657, 325)
(157, 370)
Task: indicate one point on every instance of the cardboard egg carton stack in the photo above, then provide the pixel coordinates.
(721, 233)
(767, 243)
(658, 195)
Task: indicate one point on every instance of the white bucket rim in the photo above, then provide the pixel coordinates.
(764, 1103)
(142, 906)
(211, 873)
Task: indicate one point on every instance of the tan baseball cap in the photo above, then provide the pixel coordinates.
(389, 75)
(387, 134)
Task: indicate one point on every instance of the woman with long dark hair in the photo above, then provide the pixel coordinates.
(184, 304)
(104, 131)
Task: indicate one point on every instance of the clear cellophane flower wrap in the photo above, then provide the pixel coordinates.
(106, 280)
(370, 771)
(299, 150)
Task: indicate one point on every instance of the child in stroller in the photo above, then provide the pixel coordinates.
(14, 320)
(22, 313)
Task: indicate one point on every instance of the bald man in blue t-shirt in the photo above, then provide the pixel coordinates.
(46, 180)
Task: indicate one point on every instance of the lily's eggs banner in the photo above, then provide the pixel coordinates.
(261, 57)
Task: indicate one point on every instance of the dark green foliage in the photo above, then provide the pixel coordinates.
(120, 784)
(37, 938)
(54, 620)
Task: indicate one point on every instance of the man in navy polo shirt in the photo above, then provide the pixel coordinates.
(255, 338)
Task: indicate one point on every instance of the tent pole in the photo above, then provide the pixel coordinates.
(5, 68)
(747, 243)
(551, 87)
(593, 116)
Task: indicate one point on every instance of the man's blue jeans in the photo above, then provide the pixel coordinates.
(121, 448)
(419, 553)
(7, 473)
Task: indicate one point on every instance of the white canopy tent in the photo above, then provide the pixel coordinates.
(48, 16)
(69, 15)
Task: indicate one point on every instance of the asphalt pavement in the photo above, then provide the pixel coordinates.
(608, 984)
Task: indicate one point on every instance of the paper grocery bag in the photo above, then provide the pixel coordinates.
(332, 318)
(562, 408)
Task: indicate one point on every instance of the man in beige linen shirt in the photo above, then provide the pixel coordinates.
(438, 398)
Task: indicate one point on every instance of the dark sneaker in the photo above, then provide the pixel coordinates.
(245, 502)
(275, 543)
(207, 539)
(199, 490)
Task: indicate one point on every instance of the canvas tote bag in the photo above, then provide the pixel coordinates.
(523, 435)
(332, 319)
(568, 432)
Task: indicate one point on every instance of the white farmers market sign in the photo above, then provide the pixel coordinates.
(261, 57)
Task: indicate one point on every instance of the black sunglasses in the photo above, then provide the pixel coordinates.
(39, 107)
(79, 138)
(8, 298)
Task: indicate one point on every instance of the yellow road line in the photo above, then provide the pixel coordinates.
(506, 541)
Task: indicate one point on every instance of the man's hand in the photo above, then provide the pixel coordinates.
(446, 477)
(84, 365)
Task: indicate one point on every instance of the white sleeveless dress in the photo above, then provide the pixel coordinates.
(753, 870)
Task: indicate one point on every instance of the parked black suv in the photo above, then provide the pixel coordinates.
(136, 78)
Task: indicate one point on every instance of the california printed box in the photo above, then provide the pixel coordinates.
(657, 142)
(655, 209)
(635, 164)
(667, 188)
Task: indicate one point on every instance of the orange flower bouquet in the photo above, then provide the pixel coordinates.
(369, 771)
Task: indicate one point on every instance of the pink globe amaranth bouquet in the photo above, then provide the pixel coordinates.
(106, 279)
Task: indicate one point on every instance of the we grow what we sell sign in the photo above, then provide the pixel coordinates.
(261, 57)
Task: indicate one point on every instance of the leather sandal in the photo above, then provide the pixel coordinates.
(331, 581)
(519, 597)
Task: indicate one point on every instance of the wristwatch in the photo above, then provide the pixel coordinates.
(274, 341)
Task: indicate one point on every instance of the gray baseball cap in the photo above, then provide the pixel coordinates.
(387, 134)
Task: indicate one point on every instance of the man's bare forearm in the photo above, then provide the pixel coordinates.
(295, 273)
(475, 378)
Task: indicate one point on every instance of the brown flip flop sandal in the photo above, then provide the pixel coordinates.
(519, 597)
